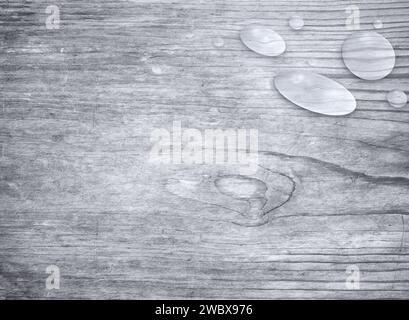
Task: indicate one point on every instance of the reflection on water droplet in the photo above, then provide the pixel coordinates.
(189, 35)
(368, 55)
(296, 22)
(263, 40)
(377, 24)
(157, 70)
(315, 92)
(218, 42)
(397, 98)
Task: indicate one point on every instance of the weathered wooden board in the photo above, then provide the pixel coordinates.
(78, 107)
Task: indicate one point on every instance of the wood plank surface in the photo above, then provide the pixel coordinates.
(77, 189)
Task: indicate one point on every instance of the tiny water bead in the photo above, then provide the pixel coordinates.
(144, 58)
(157, 70)
(368, 55)
(218, 42)
(296, 22)
(262, 40)
(315, 93)
(378, 24)
(397, 98)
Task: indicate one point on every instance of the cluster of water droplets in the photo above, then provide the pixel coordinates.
(368, 55)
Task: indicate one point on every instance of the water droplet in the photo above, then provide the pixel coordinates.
(218, 42)
(189, 35)
(241, 187)
(368, 55)
(296, 22)
(315, 92)
(157, 70)
(378, 24)
(248, 200)
(397, 98)
(263, 40)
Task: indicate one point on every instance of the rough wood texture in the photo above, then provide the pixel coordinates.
(77, 191)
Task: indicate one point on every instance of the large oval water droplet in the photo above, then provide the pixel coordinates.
(315, 92)
(397, 98)
(263, 40)
(368, 55)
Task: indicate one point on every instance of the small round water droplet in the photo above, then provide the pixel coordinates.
(157, 70)
(218, 42)
(397, 98)
(263, 40)
(378, 24)
(296, 22)
(368, 55)
(315, 92)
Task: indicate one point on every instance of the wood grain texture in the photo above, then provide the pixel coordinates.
(77, 190)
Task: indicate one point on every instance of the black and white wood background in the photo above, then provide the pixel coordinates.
(78, 105)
